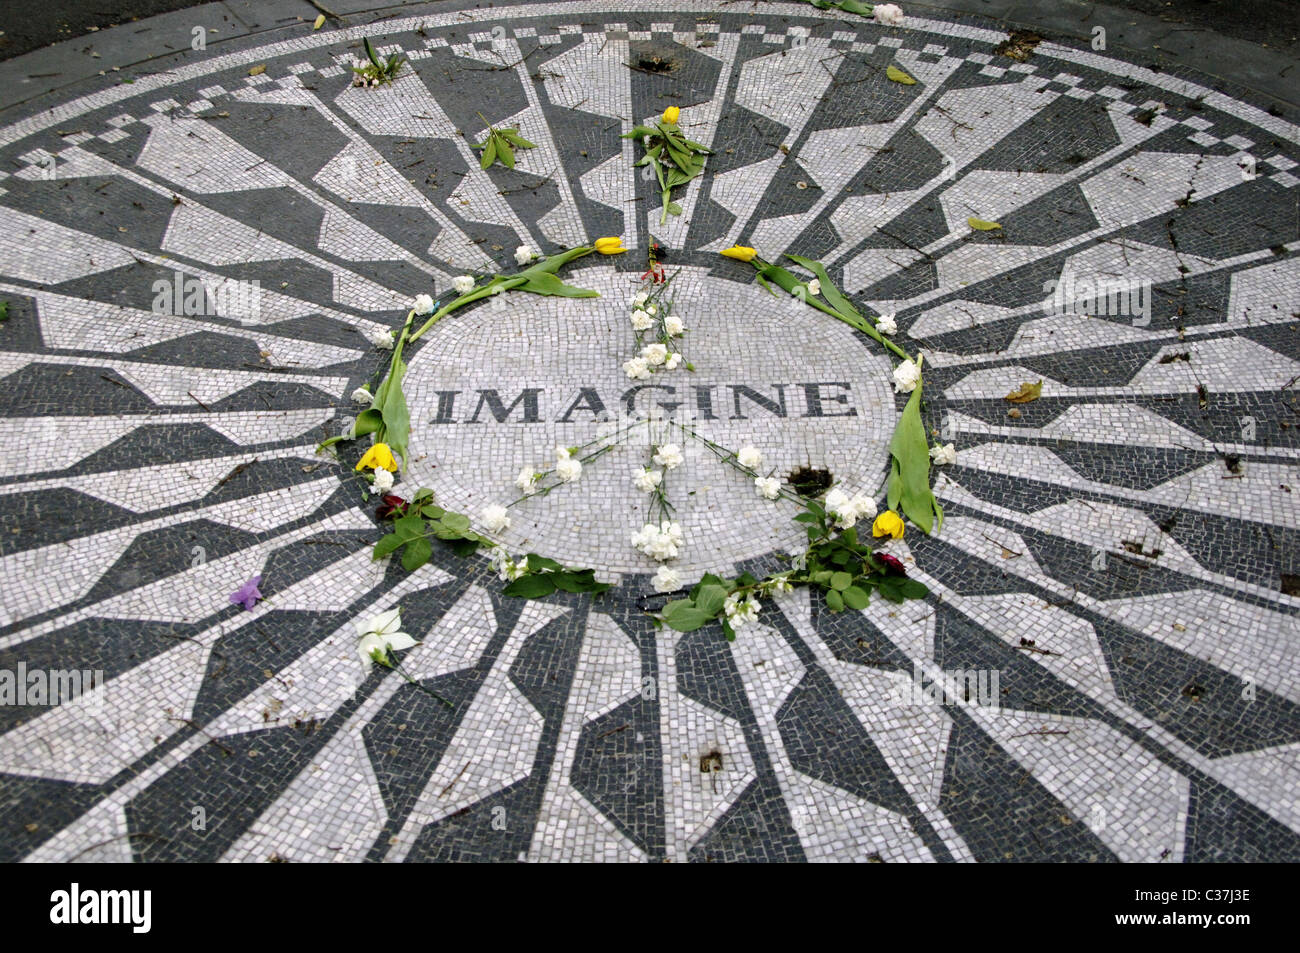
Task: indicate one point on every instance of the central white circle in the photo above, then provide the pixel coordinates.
(769, 371)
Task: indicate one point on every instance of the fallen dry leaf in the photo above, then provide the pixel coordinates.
(1025, 393)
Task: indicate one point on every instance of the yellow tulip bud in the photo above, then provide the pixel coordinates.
(378, 457)
(610, 246)
(671, 114)
(888, 523)
(740, 253)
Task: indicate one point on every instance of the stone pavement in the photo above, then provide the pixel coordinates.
(1121, 556)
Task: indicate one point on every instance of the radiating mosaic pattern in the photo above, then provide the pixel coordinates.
(1122, 554)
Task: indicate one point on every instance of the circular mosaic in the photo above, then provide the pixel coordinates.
(1097, 260)
(498, 388)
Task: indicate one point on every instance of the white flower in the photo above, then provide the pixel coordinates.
(863, 507)
(654, 354)
(523, 255)
(779, 584)
(750, 457)
(906, 376)
(463, 284)
(660, 542)
(888, 14)
(506, 568)
(942, 455)
(374, 82)
(525, 479)
(886, 324)
(814, 287)
(568, 469)
(562, 452)
(638, 369)
(651, 309)
(363, 396)
(837, 500)
(666, 579)
(379, 634)
(423, 304)
(647, 480)
(669, 456)
(383, 481)
(674, 325)
(769, 488)
(495, 518)
(382, 339)
(740, 612)
(641, 321)
(640, 299)
(674, 361)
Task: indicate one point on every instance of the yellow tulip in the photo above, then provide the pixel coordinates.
(671, 114)
(610, 246)
(740, 253)
(378, 457)
(888, 523)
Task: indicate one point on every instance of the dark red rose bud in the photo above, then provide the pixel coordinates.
(393, 506)
(893, 565)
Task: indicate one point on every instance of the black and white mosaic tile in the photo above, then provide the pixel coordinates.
(1121, 554)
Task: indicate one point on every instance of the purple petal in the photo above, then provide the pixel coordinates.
(247, 594)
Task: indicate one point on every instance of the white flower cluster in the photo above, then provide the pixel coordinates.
(363, 396)
(507, 568)
(943, 455)
(526, 478)
(887, 324)
(524, 254)
(359, 79)
(740, 611)
(462, 284)
(888, 14)
(381, 339)
(656, 355)
(423, 304)
(848, 511)
(667, 579)
(383, 481)
(647, 480)
(567, 467)
(660, 542)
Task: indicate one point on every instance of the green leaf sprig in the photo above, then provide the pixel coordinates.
(500, 144)
(384, 70)
(675, 159)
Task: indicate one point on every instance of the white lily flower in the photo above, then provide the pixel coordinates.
(381, 634)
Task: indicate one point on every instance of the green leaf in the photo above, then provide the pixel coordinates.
(728, 631)
(4, 310)
(546, 283)
(504, 152)
(856, 598)
(710, 599)
(911, 589)
(513, 137)
(368, 421)
(531, 587)
(674, 208)
(397, 418)
(408, 527)
(537, 563)
(834, 601)
(370, 52)
(639, 131)
(457, 522)
(841, 581)
(981, 225)
(465, 546)
(416, 554)
(898, 76)
(683, 616)
(387, 544)
(909, 476)
(489, 152)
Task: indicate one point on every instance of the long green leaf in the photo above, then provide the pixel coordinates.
(548, 284)
(909, 479)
